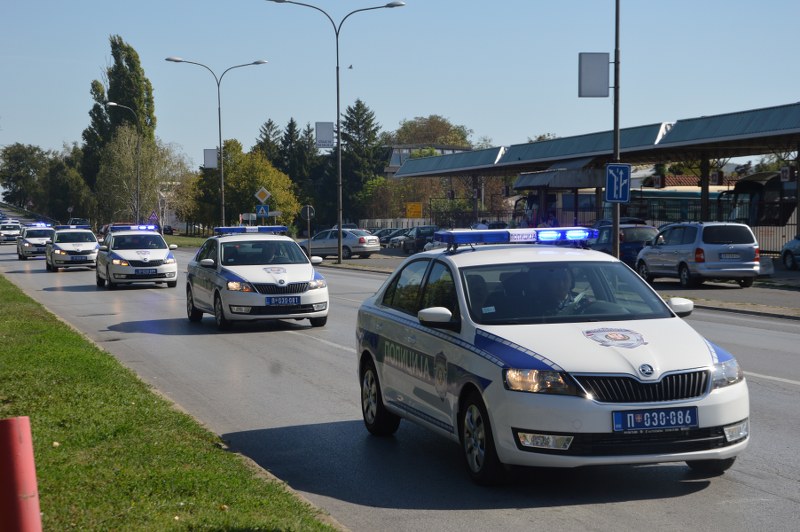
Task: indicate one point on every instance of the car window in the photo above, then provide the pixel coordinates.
(38, 233)
(727, 234)
(403, 290)
(638, 234)
(605, 236)
(208, 251)
(674, 236)
(75, 237)
(440, 290)
(689, 235)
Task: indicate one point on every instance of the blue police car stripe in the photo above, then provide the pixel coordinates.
(718, 354)
(511, 354)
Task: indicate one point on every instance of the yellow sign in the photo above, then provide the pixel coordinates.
(414, 210)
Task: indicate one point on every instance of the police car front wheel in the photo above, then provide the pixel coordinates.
(377, 419)
(477, 442)
(223, 323)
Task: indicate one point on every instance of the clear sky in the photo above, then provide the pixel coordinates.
(505, 69)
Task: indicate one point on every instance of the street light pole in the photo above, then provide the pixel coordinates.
(138, 154)
(218, 80)
(336, 30)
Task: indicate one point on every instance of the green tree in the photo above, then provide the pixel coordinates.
(128, 86)
(268, 142)
(246, 173)
(22, 169)
(362, 158)
(64, 193)
(431, 130)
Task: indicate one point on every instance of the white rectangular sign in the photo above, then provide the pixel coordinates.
(325, 135)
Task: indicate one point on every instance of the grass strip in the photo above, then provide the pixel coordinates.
(113, 455)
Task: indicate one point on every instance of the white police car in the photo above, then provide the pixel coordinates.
(32, 240)
(9, 231)
(254, 273)
(545, 356)
(71, 246)
(135, 254)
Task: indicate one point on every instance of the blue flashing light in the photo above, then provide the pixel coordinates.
(59, 227)
(113, 228)
(458, 237)
(251, 229)
(38, 224)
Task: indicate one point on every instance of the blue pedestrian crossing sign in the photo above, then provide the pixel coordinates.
(262, 211)
(618, 183)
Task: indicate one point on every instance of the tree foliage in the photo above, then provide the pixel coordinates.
(22, 167)
(432, 130)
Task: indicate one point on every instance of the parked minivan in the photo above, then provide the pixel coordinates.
(695, 252)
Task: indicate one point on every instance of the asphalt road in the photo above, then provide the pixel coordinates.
(286, 395)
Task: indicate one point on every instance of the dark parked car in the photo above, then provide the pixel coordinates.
(632, 238)
(168, 230)
(418, 237)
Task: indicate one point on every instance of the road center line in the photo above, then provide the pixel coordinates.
(326, 342)
(770, 378)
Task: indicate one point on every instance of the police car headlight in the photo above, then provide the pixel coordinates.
(120, 262)
(240, 286)
(726, 373)
(538, 381)
(59, 252)
(317, 283)
(169, 260)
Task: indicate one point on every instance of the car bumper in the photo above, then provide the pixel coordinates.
(72, 261)
(595, 443)
(249, 306)
(132, 274)
(727, 271)
(32, 251)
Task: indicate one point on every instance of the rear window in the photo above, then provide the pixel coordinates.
(728, 234)
(639, 234)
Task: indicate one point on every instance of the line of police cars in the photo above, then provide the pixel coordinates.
(523, 352)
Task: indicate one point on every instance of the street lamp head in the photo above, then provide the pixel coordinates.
(277, 1)
(395, 4)
(112, 104)
(260, 62)
(174, 59)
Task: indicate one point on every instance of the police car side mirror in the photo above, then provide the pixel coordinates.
(316, 260)
(681, 306)
(438, 318)
(103, 248)
(208, 263)
(173, 246)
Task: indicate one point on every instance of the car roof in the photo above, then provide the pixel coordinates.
(135, 232)
(246, 237)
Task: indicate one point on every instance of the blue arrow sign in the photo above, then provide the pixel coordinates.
(618, 183)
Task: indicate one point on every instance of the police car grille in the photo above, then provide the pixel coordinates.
(82, 252)
(673, 387)
(145, 264)
(276, 289)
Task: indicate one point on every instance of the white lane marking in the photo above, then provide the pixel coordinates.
(770, 378)
(320, 340)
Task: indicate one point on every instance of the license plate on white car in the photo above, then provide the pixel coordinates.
(655, 419)
(729, 256)
(282, 301)
(149, 271)
(77, 258)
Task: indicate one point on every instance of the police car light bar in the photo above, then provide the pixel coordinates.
(113, 228)
(71, 227)
(458, 237)
(251, 229)
(38, 224)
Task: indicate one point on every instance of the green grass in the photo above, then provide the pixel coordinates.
(113, 455)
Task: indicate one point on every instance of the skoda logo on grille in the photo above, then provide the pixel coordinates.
(281, 282)
(146, 259)
(646, 370)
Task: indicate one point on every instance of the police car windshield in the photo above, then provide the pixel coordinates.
(39, 233)
(558, 292)
(153, 241)
(75, 237)
(262, 252)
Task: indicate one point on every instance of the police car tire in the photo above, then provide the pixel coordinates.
(99, 280)
(192, 313)
(477, 442)
(378, 420)
(223, 323)
(318, 322)
(711, 467)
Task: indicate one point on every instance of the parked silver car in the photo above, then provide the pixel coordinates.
(698, 251)
(354, 242)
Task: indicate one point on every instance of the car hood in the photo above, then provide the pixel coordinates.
(279, 274)
(145, 255)
(620, 347)
(77, 246)
(37, 240)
